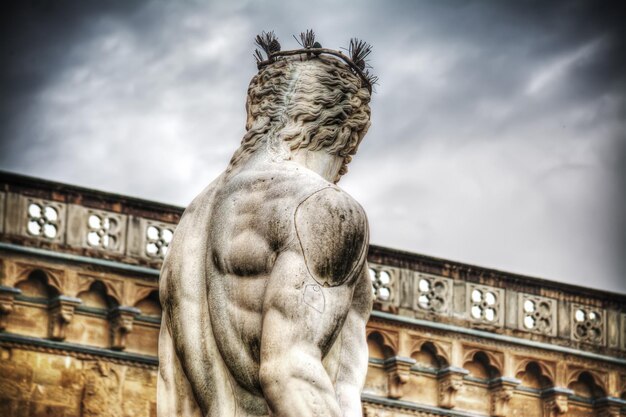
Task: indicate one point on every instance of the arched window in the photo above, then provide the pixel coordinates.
(377, 347)
(36, 286)
(481, 367)
(97, 297)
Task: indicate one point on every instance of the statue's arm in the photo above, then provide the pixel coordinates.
(354, 355)
(308, 299)
(300, 317)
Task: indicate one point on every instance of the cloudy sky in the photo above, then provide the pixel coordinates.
(498, 128)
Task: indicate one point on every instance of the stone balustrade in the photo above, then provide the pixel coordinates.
(498, 302)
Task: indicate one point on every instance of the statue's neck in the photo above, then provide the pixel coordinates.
(271, 148)
(321, 162)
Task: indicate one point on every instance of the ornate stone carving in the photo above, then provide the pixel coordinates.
(384, 286)
(96, 229)
(34, 218)
(502, 390)
(555, 401)
(266, 277)
(398, 370)
(485, 305)
(450, 381)
(122, 318)
(537, 314)
(61, 313)
(588, 324)
(595, 379)
(104, 230)
(432, 293)
(7, 298)
(158, 238)
(148, 239)
(43, 219)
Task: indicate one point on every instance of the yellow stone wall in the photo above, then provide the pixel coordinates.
(52, 383)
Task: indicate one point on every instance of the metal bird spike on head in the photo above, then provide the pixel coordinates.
(358, 51)
(268, 42)
(307, 39)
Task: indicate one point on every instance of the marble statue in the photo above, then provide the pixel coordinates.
(265, 288)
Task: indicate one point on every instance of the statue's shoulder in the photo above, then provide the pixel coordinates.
(332, 230)
(332, 198)
(199, 207)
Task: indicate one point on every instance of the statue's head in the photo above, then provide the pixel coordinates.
(311, 98)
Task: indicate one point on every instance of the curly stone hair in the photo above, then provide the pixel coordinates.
(316, 103)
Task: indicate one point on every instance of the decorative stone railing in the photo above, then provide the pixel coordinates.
(443, 291)
(81, 221)
(84, 222)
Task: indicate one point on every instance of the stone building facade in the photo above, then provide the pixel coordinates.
(79, 321)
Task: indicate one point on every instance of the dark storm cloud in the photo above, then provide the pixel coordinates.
(495, 132)
(35, 37)
(495, 50)
(123, 78)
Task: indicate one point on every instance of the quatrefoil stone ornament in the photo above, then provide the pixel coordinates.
(103, 231)
(42, 220)
(537, 314)
(157, 241)
(485, 304)
(588, 324)
(381, 284)
(433, 293)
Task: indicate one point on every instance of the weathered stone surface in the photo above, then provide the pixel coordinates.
(265, 287)
(42, 384)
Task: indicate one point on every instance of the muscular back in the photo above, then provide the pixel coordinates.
(264, 289)
(265, 212)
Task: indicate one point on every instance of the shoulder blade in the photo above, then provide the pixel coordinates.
(333, 235)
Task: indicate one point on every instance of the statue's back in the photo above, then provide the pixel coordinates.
(253, 222)
(264, 289)
(234, 230)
